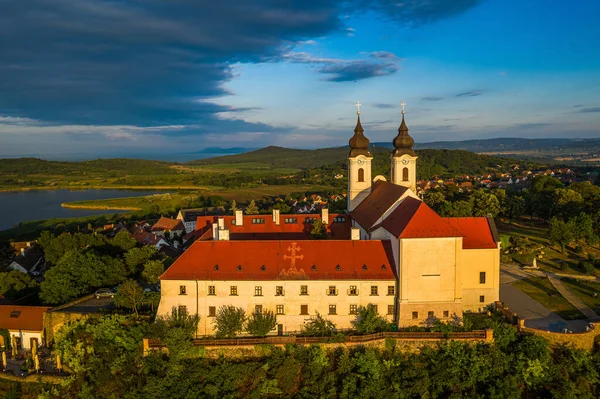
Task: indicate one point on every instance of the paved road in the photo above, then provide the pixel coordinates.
(91, 305)
(536, 315)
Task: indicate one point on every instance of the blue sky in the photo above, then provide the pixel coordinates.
(93, 78)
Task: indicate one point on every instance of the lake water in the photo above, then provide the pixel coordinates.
(21, 206)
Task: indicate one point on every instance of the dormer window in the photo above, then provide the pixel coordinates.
(239, 268)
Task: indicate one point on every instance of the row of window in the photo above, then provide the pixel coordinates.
(445, 313)
(430, 314)
(258, 290)
(280, 310)
(339, 219)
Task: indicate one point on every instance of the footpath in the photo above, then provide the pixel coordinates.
(569, 296)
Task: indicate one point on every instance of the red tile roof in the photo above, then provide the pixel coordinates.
(167, 224)
(383, 195)
(28, 318)
(297, 229)
(414, 219)
(145, 237)
(272, 260)
(478, 233)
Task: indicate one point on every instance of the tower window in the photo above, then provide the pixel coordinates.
(404, 174)
(361, 175)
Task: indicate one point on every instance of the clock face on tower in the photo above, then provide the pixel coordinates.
(405, 161)
(360, 162)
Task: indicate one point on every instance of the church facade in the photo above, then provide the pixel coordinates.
(389, 250)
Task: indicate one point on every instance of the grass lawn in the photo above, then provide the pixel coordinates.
(585, 290)
(552, 259)
(541, 290)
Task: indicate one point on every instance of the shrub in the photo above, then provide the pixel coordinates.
(319, 326)
(260, 324)
(368, 321)
(229, 321)
(586, 267)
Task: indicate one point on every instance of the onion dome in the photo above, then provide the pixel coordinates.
(359, 144)
(403, 143)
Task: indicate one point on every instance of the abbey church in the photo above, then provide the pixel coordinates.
(389, 250)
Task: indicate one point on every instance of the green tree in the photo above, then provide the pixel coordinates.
(124, 241)
(15, 284)
(233, 207)
(260, 324)
(460, 209)
(319, 230)
(514, 208)
(78, 273)
(368, 321)
(585, 229)
(229, 321)
(136, 257)
(318, 326)
(567, 203)
(130, 295)
(152, 271)
(102, 354)
(561, 232)
(485, 203)
(252, 209)
(283, 207)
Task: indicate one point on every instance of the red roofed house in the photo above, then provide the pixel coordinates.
(390, 250)
(25, 324)
(174, 226)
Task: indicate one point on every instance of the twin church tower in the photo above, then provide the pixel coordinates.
(404, 163)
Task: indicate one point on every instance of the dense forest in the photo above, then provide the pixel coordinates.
(105, 360)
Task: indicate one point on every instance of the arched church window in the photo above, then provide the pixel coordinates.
(405, 174)
(361, 175)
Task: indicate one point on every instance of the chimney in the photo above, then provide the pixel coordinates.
(276, 213)
(223, 235)
(239, 218)
(22, 251)
(355, 233)
(221, 223)
(215, 231)
(325, 215)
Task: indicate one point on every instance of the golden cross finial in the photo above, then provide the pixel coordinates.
(293, 248)
(403, 104)
(358, 107)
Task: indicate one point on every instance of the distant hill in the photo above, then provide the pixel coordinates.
(431, 162)
(280, 157)
(222, 151)
(35, 166)
(507, 144)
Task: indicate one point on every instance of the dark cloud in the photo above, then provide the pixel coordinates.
(589, 110)
(357, 70)
(378, 63)
(384, 106)
(432, 98)
(143, 63)
(152, 63)
(471, 93)
(417, 12)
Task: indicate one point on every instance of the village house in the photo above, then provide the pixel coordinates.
(165, 224)
(188, 217)
(29, 260)
(25, 325)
